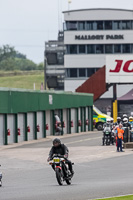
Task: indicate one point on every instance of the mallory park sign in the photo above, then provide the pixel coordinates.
(99, 37)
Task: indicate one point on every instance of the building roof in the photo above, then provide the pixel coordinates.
(98, 9)
(127, 96)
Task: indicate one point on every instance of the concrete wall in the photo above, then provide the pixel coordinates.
(11, 127)
(65, 117)
(2, 128)
(40, 122)
(21, 126)
(31, 124)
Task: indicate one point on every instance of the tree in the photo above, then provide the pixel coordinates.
(7, 64)
(25, 64)
(40, 66)
(7, 52)
(10, 59)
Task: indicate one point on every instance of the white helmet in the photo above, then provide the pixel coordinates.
(125, 120)
(111, 120)
(108, 120)
(124, 115)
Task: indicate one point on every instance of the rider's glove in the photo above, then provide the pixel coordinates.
(66, 156)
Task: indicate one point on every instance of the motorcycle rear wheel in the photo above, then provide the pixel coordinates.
(59, 176)
(107, 142)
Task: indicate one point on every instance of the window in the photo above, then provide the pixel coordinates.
(89, 25)
(108, 25)
(73, 72)
(126, 24)
(82, 49)
(97, 110)
(131, 24)
(108, 48)
(71, 25)
(116, 25)
(131, 48)
(99, 48)
(117, 48)
(94, 25)
(99, 25)
(90, 71)
(82, 72)
(81, 25)
(67, 49)
(126, 48)
(90, 49)
(94, 113)
(73, 49)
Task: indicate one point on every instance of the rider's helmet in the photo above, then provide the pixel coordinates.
(125, 120)
(118, 119)
(124, 116)
(108, 120)
(130, 118)
(56, 142)
(111, 120)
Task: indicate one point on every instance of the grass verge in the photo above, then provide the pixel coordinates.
(129, 197)
(23, 81)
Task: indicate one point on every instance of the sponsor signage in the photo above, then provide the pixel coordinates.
(99, 37)
(50, 99)
(119, 69)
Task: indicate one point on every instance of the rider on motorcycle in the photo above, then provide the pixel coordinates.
(107, 127)
(61, 149)
(118, 121)
(107, 124)
(126, 123)
(131, 120)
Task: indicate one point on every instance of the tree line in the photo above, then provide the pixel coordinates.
(11, 60)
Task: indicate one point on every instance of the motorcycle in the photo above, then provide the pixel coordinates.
(107, 136)
(62, 172)
(0, 178)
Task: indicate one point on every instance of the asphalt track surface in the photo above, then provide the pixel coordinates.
(99, 171)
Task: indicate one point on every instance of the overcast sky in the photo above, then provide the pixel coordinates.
(27, 24)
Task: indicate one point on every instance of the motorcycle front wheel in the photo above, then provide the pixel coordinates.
(68, 181)
(59, 176)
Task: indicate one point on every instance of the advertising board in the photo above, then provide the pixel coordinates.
(119, 69)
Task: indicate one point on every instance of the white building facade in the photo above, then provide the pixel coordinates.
(89, 36)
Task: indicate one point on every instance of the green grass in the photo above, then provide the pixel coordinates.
(23, 81)
(129, 197)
